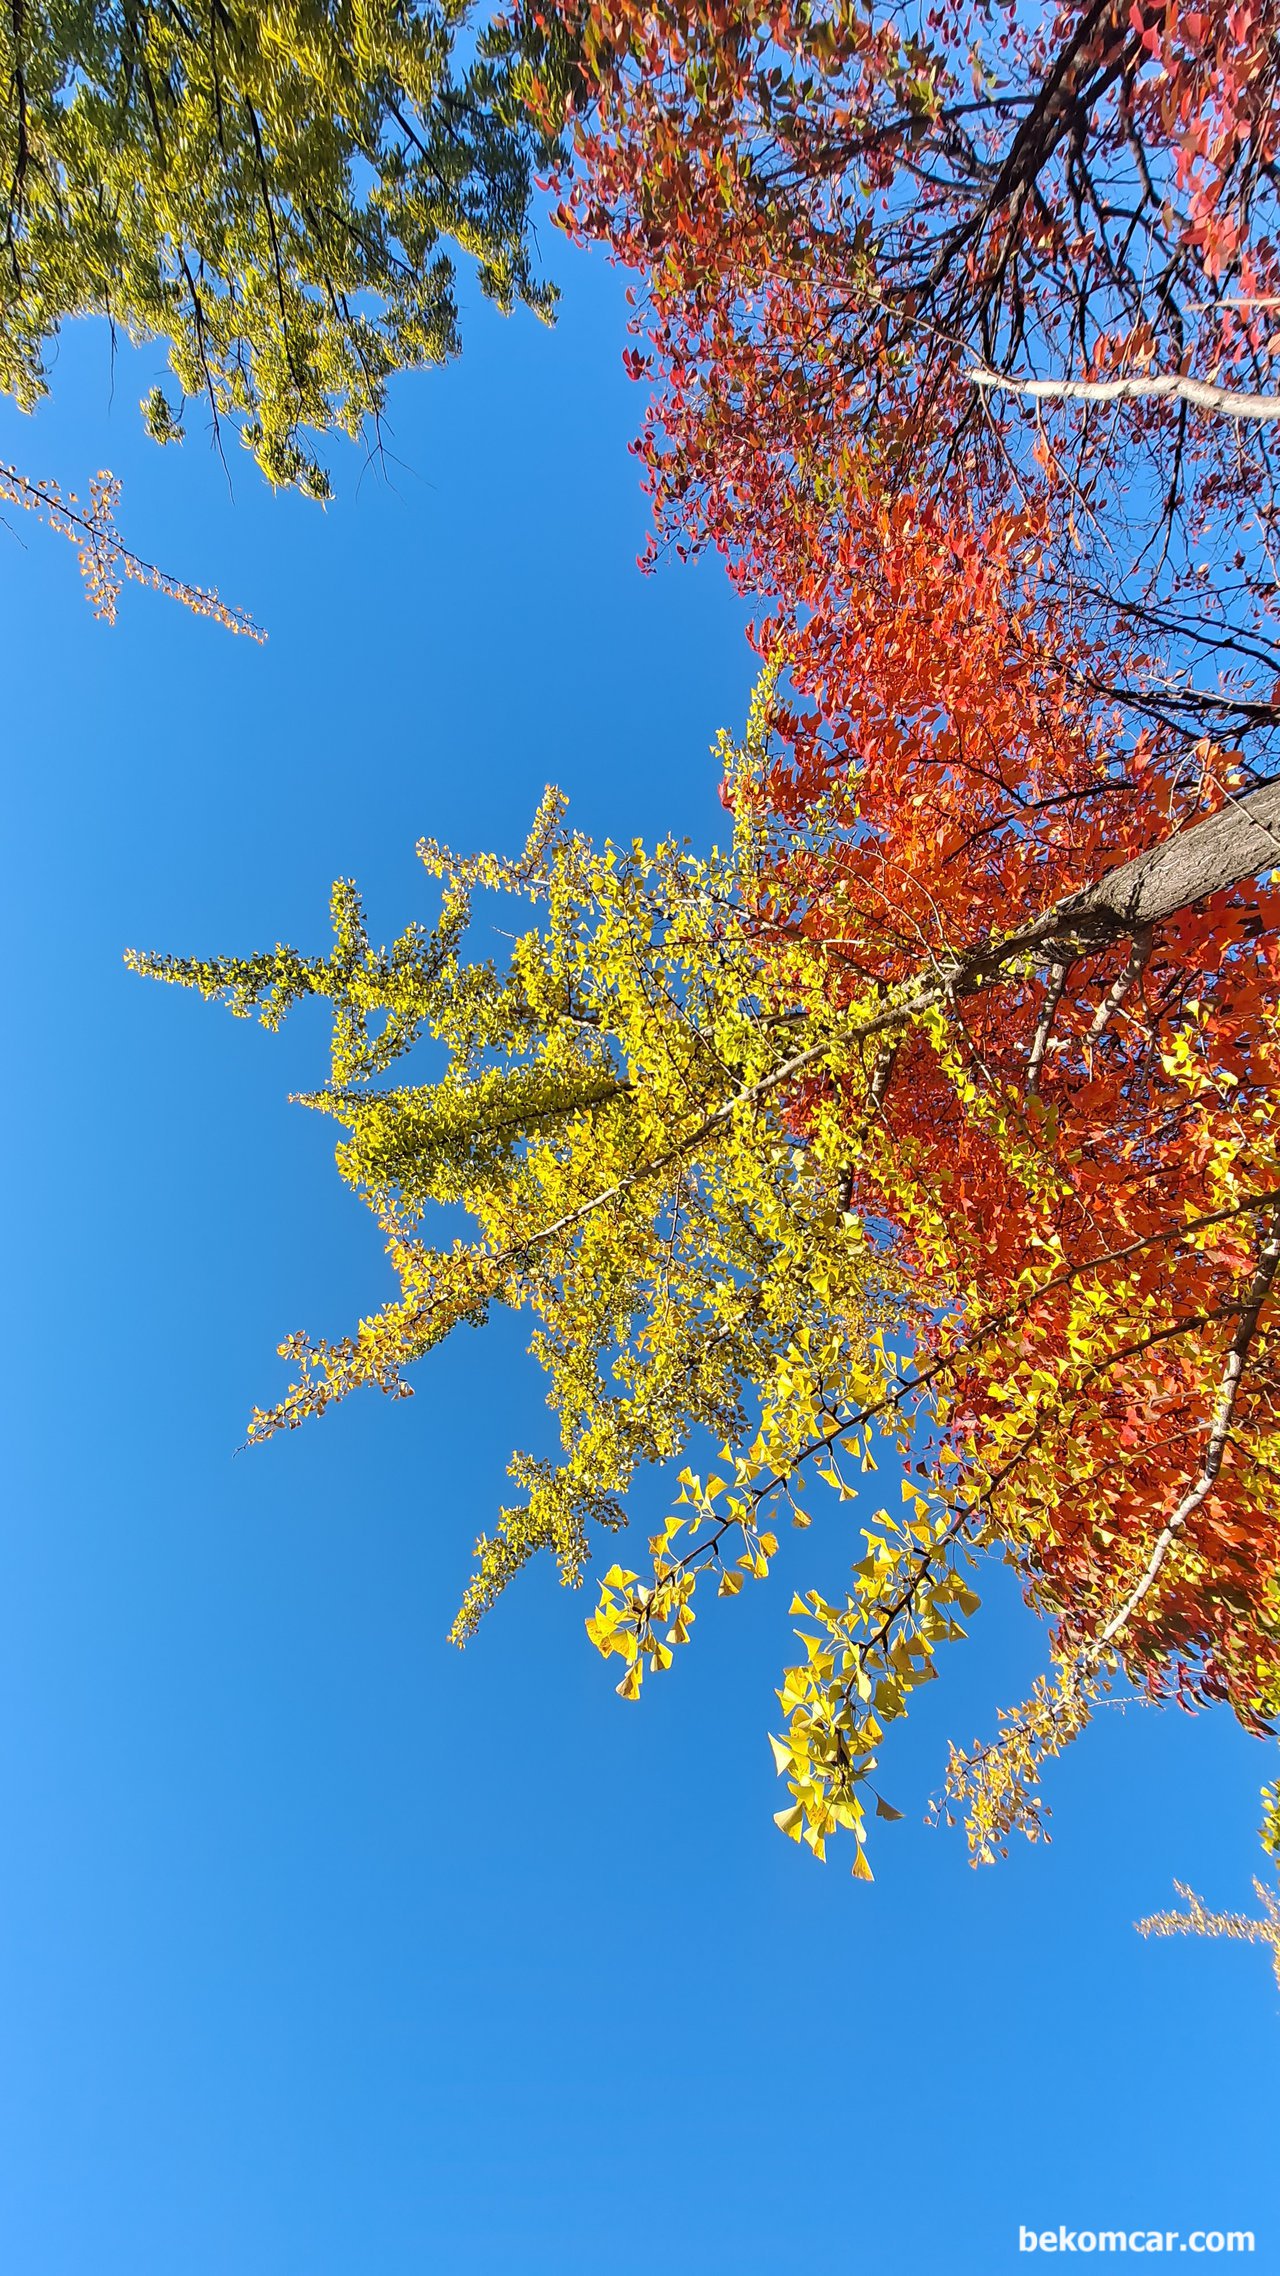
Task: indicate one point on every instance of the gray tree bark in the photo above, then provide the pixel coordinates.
(1242, 838)
(1237, 842)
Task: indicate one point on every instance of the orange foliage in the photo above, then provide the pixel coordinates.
(989, 627)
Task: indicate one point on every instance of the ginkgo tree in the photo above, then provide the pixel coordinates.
(663, 1119)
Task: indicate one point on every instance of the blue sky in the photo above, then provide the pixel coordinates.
(323, 1948)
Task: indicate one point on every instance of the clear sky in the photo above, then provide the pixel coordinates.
(325, 1949)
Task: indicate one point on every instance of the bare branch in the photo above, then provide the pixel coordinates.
(1162, 386)
(1219, 1436)
(1053, 997)
(1139, 953)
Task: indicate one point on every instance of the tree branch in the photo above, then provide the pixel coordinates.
(1219, 1435)
(1229, 402)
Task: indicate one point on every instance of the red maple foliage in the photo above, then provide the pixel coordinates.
(943, 784)
(837, 222)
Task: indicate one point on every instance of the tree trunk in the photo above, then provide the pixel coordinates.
(1235, 843)
(1242, 838)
